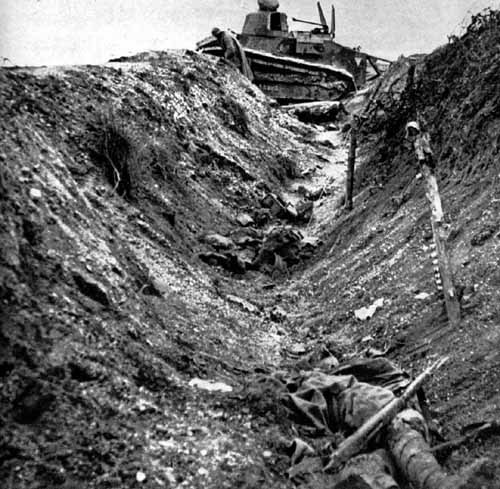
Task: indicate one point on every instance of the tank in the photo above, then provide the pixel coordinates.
(299, 66)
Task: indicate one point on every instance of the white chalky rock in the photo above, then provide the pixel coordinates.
(140, 476)
(422, 296)
(365, 313)
(209, 385)
(35, 194)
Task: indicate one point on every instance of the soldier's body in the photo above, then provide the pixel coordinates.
(232, 51)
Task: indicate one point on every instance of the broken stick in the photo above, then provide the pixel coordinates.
(351, 163)
(486, 428)
(421, 143)
(357, 442)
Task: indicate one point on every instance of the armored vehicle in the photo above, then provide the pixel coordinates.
(299, 66)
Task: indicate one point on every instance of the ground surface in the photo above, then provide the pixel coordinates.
(109, 314)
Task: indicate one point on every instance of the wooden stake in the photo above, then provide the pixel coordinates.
(351, 162)
(425, 158)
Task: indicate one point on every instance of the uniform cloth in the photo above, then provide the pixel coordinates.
(336, 403)
(235, 54)
(341, 401)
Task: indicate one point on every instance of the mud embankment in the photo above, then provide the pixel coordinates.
(382, 250)
(115, 181)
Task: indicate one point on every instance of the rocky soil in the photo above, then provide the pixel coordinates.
(159, 256)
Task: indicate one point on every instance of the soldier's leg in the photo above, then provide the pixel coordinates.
(413, 457)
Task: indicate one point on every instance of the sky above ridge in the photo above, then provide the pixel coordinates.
(37, 32)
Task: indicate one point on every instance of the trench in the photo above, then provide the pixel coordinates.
(126, 361)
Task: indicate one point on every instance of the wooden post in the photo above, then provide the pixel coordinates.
(351, 162)
(426, 160)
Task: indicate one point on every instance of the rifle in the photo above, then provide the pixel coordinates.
(358, 441)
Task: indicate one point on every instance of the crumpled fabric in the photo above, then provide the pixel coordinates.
(336, 403)
(282, 242)
(245, 65)
(423, 146)
(234, 52)
(340, 402)
(300, 449)
(376, 371)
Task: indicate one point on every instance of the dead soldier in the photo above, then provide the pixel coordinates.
(232, 51)
(342, 400)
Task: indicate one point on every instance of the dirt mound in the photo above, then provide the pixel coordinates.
(111, 178)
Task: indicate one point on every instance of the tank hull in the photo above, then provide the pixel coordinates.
(293, 80)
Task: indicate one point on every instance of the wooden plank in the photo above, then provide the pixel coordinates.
(351, 162)
(450, 294)
(374, 65)
(426, 160)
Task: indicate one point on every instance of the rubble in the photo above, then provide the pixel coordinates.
(218, 242)
(244, 220)
(317, 112)
(210, 385)
(365, 313)
(35, 194)
(278, 314)
(91, 287)
(229, 261)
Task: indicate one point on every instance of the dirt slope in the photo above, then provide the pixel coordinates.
(382, 249)
(107, 312)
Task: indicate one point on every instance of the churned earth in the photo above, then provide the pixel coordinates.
(381, 251)
(139, 303)
(108, 314)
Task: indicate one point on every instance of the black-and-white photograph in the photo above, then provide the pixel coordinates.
(250, 244)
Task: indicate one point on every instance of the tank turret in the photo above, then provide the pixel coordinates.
(269, 5)
(267, 23)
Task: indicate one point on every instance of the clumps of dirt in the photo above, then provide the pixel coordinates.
(285, 167)
(32, 400)
(234, 116)
(264, 395)
(159, 158)
(4, 178)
